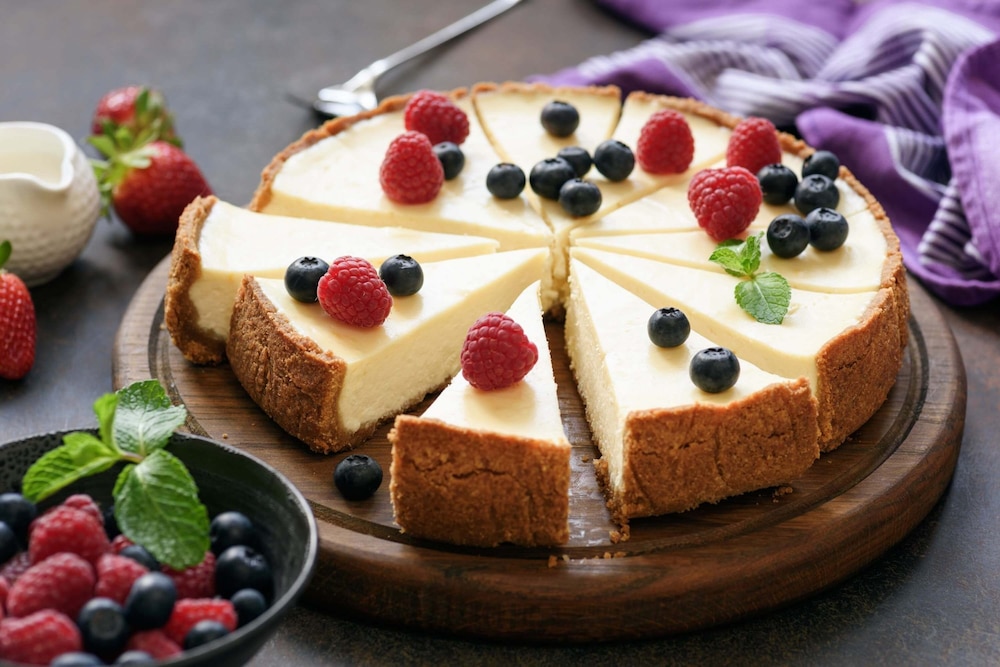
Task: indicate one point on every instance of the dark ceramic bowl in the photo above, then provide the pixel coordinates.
(227, 479)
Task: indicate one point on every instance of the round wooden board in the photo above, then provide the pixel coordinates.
(677, 573)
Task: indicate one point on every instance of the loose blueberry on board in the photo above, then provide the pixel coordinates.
(150, 601)
(614, 160)
(302, 276)
(203, 632)
(777, 184)
(827, 229)
(103, 627)
(505, 180)
(141, 555)
(242, 567)
(668, 327)
(452, 158)
(548, 176)
(816, 191)
(788, 235)
(821, 162)
(578, 157)
(17, 512)
(560, 119)
(357, 477)
(248, 603)
(402, 275)
(714, 369)
(580, 198)
(229, 529)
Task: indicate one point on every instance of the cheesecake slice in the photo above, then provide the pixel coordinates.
(666, 445)
(217, 243)
(331, 384)
(486, 467)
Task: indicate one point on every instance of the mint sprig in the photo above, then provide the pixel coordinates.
(765, 295)
(156, 499)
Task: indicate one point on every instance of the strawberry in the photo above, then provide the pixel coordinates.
(496, 352)
(137, 108)
(17, 323)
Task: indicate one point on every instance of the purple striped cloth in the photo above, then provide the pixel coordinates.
(907, 94)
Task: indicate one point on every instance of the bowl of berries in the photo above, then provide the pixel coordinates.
(136, 544)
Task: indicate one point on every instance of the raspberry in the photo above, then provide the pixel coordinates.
(188, 612)
(725, 201)
(4, 590)
(496, 352)
(37, 639)
(63, 582)
(352, 292)
(153, 642)
(115, 576)
(197, 581)
(666, 145)
(85, 503)
(436, 116)
(411, 173)
(119, 543)
(15, 567)
(67, 529)
(753, 145)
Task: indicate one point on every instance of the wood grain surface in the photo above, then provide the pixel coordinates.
(715, 564)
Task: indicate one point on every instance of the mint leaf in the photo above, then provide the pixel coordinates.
(104, 408)
(726, 257)
(144, 418)
(157, 506)
(81, 455)
(765, 297)
(750, 254)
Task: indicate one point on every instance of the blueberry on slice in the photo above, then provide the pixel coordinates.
(614, 160)
(668, 327)
(229, 529)
(548, 176)
(202, 632)
(505, 180)
(827, 229)
(103, 627)
(714, 369)
(248, 603)
(357, 477)
(824, 163)
(560, 119)
(302, 277)
(580, 198)
(451, 157)
(150, 601)
(578, 157)
(777, 183)
(242, 567)
(402, 275)
(788, 235)
(141, 555)
(816, 191)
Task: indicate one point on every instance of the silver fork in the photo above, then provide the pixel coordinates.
(358, 93)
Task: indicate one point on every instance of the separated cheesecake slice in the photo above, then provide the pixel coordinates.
(666, 445)
(486, 467)
(330, 384)
(217, 243)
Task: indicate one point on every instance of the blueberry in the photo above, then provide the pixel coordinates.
(788, 235)
(150, 601)
(9, 544)
(451, 157)
(357, 477)
(77, 659)
(824, 163)
(17, 512)
(110, 522)
(614, 160)
(203, 632)
(668, 327)
(560, 119)
(777, 183)
(548, 176)
(229, 529)
(141, 555)
(241, 567)
(580, 198)
(827, 229)
(578, 157)
(135, 658)
(302, 277)
(402, 275)
(249, 604)
(714, 369)
(505, 181)
(103, 627)
(816, 191)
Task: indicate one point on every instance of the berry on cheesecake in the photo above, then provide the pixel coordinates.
(411, 173)
(753, 145)
(666, 144)
(352, 292)
(436, 116)
(496, 352)
(724, 201)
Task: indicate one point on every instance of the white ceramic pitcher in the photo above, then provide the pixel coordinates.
(49, 201)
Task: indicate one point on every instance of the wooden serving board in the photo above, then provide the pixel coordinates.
(677, 573)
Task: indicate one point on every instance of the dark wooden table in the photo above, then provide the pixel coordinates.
(227, 67)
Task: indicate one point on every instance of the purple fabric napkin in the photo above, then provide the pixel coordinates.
(906, 93)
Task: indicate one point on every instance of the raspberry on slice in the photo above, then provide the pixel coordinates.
(753, 145)
(154, 642)
(411, 173)
(496, 352)
(352, 292)
(67, 529)
(197, 581)
(63, 582)
(115, 576)
(436, 116)
(724, 201)
(38, 638)
(666, 144)
(188, 612)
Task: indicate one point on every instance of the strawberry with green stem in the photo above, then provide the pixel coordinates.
(138, 108)
(17, 323)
